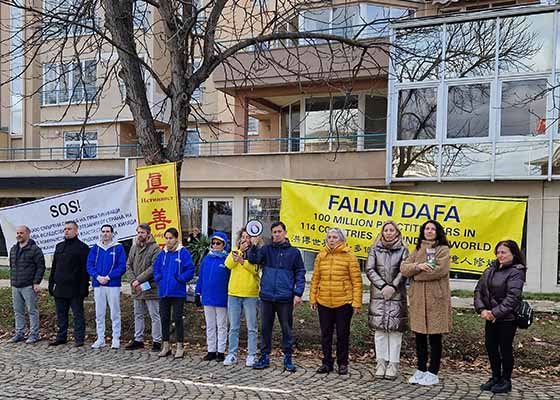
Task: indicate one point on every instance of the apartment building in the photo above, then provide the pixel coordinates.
(302, 110)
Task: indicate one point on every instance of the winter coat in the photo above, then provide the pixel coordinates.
(337, 279)
(383, 269)
(107, 261)
(213, 276)
(140, 267)
(499, 290)
(430, 294)
(244, 278)
(69, 277)
(283, 272)
(172, 271)
(27, 265)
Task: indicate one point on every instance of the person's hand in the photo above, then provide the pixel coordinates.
(197, 300)
(135, 283)
(487, 315)
(424, 267)
(388, 292)
(256, 240)
(491, 316)
(138, 290)
(313, 307)
(357, 310)
(102, 280)
(297, 300)
(238, 258)
(244, 246)
(36, 288)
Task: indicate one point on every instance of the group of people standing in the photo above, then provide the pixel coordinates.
(234, 282)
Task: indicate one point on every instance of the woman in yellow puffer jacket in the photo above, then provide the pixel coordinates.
(243, 295)
(336, 291)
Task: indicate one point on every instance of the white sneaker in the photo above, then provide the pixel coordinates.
(429, 379)
(99, 343)
(230, 360)
(250, 361)
(381, 368)
(116, 344)
(417, 377)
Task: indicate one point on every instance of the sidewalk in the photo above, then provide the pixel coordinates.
(546, 306)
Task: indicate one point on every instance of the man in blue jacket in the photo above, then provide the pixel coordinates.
(106, 264)
(282, 285)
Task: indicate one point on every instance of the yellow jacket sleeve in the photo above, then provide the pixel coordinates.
(316, 278)
(356, 278)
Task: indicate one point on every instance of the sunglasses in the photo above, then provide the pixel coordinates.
(217, 242)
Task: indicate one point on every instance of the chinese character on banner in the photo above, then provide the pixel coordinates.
(295, 239)
(159, 220)
(154, 183)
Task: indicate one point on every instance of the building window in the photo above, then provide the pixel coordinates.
(375, 126)
(468, 111)
(196, 97)
(80, 145)
(479, 110)
(264, 209)
(523, 110)
(192, 144)
(357, 20)
(69, 83)
(59, 11)
(252, 126)
(417, 114)
(191, 215)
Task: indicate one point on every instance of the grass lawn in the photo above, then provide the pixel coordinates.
(535, 348)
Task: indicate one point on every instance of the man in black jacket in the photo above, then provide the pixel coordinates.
(27, 267)
(69, 284)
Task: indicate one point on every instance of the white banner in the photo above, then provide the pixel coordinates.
(111, 203)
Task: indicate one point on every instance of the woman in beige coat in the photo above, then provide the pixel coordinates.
(430, 298)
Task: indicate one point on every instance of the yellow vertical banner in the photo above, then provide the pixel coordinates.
(157, 199)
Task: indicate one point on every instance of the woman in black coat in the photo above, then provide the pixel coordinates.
(497, 299)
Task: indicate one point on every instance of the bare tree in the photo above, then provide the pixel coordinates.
(195, 39)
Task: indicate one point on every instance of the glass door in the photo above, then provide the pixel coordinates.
(217, 216)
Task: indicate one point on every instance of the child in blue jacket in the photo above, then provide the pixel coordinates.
(212, 287)
(106, 264)
(173, 269)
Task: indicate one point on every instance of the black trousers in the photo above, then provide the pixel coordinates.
(63, 306)
(269, 310)
(166, 304)
(422, 352)
(329, 318)
(499, 347)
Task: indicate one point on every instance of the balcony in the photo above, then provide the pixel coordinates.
(352, 160)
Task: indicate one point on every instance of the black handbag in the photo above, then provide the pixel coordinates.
(525, 315)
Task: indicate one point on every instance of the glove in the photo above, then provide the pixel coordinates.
(388, 292)
(197, 301)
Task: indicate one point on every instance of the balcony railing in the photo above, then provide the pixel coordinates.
(204, 148)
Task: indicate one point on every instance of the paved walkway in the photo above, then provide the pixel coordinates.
(456, 302)
(66, 373)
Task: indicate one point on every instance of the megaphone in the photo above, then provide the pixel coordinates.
(254, 227)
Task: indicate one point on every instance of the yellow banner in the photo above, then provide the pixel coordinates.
(157, 199)
(473, 224)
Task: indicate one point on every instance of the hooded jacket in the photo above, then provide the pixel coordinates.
(283, 271)
(499, 290)
(244, 279)
(383, 268)
(172, 271)
(106, 260)
(140, 267)
(337, 279)
(27, 265)
(69, 277)
(213, 276)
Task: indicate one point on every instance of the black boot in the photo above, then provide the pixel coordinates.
(209, 357)
(220, 357)
(489, 383)
(325, 369)
(503, 386)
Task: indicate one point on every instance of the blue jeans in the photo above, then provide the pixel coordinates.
(249, 306)
(23, 298)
